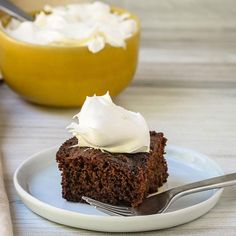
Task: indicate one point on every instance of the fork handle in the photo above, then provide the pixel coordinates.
(212, 183)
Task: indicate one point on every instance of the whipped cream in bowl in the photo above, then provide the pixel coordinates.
(92, 25)
(70, 52)
(108, 127)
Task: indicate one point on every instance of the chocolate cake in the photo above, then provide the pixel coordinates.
(115, 178)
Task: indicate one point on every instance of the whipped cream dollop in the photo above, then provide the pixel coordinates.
(85, 24)
(108, 127)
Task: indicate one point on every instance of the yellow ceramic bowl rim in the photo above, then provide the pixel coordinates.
(47, 46)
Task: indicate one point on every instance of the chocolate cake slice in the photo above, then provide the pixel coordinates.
(115, 178)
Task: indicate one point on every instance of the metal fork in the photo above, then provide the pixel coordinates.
(160, 202)
(15, 11)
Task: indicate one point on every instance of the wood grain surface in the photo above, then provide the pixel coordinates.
(185, 86)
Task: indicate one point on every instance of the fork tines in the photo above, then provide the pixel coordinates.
(110, 209)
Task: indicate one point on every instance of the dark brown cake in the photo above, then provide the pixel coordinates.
(115, 178)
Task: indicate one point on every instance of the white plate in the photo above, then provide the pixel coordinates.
(37, 182)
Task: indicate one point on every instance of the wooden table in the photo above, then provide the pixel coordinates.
(185, 86)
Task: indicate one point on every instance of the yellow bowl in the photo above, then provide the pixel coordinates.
(65, 75)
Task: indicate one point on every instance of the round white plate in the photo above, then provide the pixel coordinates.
(37, 182)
